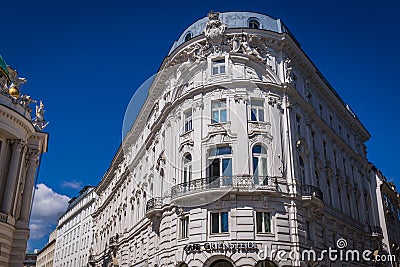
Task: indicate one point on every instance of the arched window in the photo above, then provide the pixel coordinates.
(187, 169)
(260, 170)
(188, 36)
(254, 23)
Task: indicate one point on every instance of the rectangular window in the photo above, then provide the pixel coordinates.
(219, 222)
(188, 120)
(184, 229)
(218, 111)
(298, 124)
(263, 222)
(257, 110)
(308, 230)
(218, 66)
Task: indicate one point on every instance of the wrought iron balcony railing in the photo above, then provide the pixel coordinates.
(225, 183)
(309, 190)
(154, 203)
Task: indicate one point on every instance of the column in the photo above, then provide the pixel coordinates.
(13, 171)
(29, 182)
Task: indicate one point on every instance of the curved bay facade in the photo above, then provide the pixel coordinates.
(240, 147)
(22, 142)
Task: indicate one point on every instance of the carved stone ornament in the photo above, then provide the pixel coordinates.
(215, 31)
(288, 70)
(249, 44)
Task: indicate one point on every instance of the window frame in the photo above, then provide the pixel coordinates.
(221, 157)
(220, 225)
(188, 36)
(258, 108)
(184, 227)
(219, 109)
(218, 64)
(262, 160)
(187, 170)
(187, 120)
(263, 223)
(254, 21)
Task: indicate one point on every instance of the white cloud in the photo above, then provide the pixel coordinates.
(47, 207)
(72, 184)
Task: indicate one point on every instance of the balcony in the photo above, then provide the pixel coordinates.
(153, 206)
(376, 231)
(211, 187)
(311, 191)
(312, 197)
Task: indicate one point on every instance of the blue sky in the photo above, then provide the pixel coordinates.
(85, 59)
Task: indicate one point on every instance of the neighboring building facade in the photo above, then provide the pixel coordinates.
(45, 257)
(21, 144)
(389, 214)
(74, 230)
(30, 258)
(240, 146)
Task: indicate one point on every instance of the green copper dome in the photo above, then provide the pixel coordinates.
(3, 69)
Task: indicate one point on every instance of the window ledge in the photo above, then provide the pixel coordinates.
(266, 234)
(260, 122)
(186, 133)
(220, 234)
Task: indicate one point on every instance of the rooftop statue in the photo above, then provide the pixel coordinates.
(39, 122)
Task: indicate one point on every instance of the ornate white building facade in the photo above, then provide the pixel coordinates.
(74, 231)
(241, 146)
(21, 144)
(45, 257)
(389, 215)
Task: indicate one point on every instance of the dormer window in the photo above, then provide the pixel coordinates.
(188, 36)
(254, 24)
(218, 66)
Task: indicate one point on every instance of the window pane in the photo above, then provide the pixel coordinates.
(255, 166)
(264, 167)
(267, 222)
(257, 149)
(224, 150)
(222, 68)
(215, 116)
(253, 115)
(215, 70)
(257, 103)
(224, 222)
(185, 175)
(223, 115)
(214, 223)
(259, 222)
(226, 167)
(261, 114)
